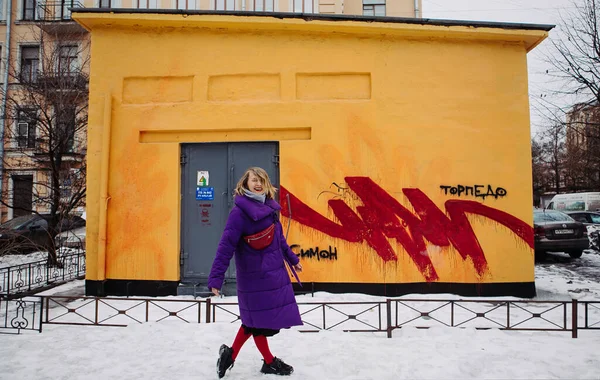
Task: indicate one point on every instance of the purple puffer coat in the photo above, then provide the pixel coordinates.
(264, 289)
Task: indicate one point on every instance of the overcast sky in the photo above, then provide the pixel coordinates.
(522, 11)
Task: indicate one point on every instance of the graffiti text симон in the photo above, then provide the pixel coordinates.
(323, 254)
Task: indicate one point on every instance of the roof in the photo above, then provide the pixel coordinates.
(529, 34)
(326, 17)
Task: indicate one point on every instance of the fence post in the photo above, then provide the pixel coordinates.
(96, 307)
(574, 318)
(208, 310)
(8, 283)
(29, 276)
(199, 311)
(389, 317)
(47, 307)
(41, 313)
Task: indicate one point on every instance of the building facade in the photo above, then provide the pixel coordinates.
(401, 149)
(45, 54)
(583, 147)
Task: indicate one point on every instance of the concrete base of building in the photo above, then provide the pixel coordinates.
(514, 289)
(130, 288)
(167, 288)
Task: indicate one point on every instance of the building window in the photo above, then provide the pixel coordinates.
(26, 129)
(65, 133)
(187, 4)
(29, 10)
(67, 60)
(30, 63)
(373, 7)
(147, 4)
(225, 5)
(105, 3)
(264, 5)
(302, 6)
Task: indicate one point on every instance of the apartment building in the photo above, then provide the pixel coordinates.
(44, 76)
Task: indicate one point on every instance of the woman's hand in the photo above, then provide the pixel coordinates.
(298, 267)
(215, 291)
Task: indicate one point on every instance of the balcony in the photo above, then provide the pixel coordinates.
(54, 16)
(286, 6)
(62, 80)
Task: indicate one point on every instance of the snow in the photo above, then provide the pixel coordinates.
(18, 259)
(175, 349)
(561, 281)
(26, 258)
(189, 351)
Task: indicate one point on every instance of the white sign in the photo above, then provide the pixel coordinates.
(202, 178)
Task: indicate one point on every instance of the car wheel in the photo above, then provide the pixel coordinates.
(576, 254)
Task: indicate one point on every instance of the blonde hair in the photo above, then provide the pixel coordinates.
(264, 180)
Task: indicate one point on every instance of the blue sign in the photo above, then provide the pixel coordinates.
(205, 193)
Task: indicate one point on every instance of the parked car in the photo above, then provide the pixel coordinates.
(557, 232)
(29, 233)
(575, 202)
(592, 221)
(71, 239)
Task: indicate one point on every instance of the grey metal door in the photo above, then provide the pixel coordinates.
(209, 175)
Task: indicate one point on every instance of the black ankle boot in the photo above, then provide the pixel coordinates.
(277, 367)
(225, 361)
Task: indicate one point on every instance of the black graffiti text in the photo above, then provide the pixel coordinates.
(312, 253)
(479, 191)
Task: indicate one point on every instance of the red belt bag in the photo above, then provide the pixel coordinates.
(262, 239)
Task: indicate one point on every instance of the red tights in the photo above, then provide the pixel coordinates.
(261, 343)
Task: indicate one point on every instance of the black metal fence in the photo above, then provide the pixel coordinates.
(378, 316)
(22, 279)
(21, 314)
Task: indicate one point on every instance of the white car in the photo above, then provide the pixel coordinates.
(71, 239)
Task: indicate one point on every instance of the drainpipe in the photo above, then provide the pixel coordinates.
(417, 8)
(104, 197)
(4, 91)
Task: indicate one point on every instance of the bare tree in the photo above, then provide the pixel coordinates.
(552, 156)
(575, 62)
(539, 168)
(576, 56)
(46, 116)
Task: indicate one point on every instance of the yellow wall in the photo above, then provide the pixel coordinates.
(406, 106)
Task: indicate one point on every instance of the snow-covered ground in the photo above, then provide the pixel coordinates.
(559, 277)
(189, 351)
(174, 349)
(26, 258)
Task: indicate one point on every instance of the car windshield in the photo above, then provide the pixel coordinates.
(551, 216)
(17, 222)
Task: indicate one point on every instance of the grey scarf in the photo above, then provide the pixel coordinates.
(257, 197)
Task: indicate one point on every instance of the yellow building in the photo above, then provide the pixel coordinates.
(401, 148)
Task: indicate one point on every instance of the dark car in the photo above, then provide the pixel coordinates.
(29, 233)
(557, 232)
(592, 221)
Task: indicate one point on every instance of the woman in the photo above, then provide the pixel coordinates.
(265, 295)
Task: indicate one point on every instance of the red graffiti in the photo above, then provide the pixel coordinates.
(381, 217)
